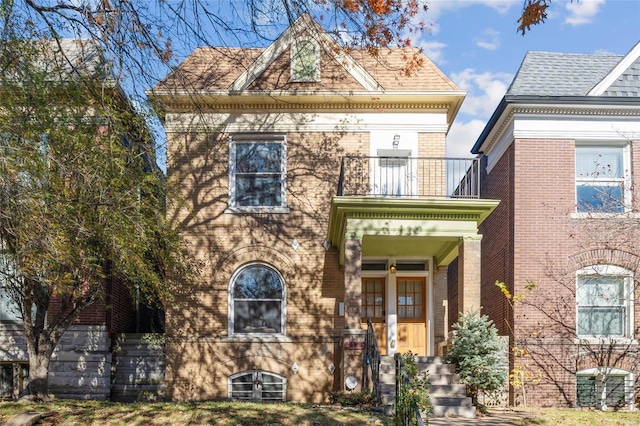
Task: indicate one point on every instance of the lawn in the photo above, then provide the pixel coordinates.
(246, 414)
(183, 414)
(548, 417)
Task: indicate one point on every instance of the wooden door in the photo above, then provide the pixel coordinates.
(412, 309)
(373, 306)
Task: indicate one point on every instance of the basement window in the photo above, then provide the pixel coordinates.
(14, 378)
(257, 385)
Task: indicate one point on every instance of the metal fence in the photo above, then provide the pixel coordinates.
(409, 177)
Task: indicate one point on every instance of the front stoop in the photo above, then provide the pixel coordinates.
(447, 395)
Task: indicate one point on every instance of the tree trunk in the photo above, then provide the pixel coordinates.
(39, 373)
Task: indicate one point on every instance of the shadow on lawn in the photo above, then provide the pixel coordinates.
(210, 413)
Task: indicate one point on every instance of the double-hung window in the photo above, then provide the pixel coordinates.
(602, 178)
(604, 298)
(257, 174)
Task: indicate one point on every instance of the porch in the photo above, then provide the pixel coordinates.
(398, 223)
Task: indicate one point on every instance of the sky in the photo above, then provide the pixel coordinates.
(475, 43)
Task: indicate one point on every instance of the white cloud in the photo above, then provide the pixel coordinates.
(484, 90)
(582, 12)
(462, 136)
(436, 8)
(489, 39)
(434, 51)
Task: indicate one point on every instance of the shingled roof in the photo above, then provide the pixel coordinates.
(216, 68)
(560, 74)
(574, 74)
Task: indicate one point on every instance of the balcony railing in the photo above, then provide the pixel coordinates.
(409, 177)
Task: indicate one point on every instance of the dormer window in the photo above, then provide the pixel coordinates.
(305, 61)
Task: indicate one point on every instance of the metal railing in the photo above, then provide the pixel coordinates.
(404, 415)
(409, 177)
(371, 364)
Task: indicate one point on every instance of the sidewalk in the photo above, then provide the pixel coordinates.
(493, 418)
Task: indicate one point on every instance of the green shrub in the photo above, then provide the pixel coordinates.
(412, 393)
(351, 399)
(475, 349)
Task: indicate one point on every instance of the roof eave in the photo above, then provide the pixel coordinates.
(509, 100)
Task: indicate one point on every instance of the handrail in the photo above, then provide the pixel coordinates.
(409, 177)
(405, 416)
(371, 362)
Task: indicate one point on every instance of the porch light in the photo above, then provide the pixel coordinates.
(396, 141)
(392, 269)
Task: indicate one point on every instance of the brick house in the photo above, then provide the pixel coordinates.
(561, 153)
(81, 364)
(314, 190)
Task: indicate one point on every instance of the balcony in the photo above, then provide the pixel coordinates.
(412, 177)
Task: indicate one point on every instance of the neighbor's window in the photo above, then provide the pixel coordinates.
(604, 297)
(257, 173)
(257, 386)
(613, 389)
(600, 178)
(257, 302)
(9, 310)
(305, 61)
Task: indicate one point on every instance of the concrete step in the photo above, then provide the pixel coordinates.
(454, 411)
(443, 379)
(455, 390)
(450, 401)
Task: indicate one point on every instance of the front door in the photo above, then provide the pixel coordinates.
(373, 307)
(411, 309)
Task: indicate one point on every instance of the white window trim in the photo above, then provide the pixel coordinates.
(231, 317)
(257, 138)
(625, 179)
(610, 270)
(629, 381)
(294, 57)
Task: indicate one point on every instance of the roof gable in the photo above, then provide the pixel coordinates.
(624, 78)
(307, 26)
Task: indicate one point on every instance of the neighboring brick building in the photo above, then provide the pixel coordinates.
(561, 153)
(81, 364)
(315, 193)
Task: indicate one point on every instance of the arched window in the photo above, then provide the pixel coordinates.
(257, 302)
(604, 298)
(257, 385)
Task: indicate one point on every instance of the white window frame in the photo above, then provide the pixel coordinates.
(231, 305)
(6, 302)
(256, 378)
(296, 77)
(609, 372)
(614, 271)
(257, 138)
(624, 181)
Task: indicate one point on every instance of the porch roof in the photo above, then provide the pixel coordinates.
(406, 227)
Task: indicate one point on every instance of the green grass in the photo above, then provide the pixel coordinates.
(246, 414)
(183, 414)
(567, 417)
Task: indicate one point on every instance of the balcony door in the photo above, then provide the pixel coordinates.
(411, 309)
(393, 173)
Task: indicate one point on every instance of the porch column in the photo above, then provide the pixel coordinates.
(469, 274)
(352, 283)
(353, 339)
